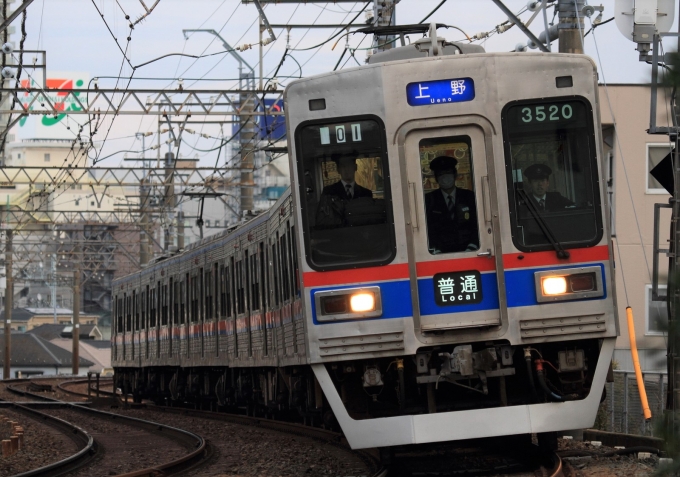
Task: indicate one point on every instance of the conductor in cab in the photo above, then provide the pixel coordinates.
(451, 211)
(539, 183)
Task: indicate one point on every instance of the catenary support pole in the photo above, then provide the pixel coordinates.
(570, 34)
(76, 321)
(9, 298)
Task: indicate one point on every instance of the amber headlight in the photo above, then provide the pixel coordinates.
(554, 285)
(569, 284)
(348, 303)
(362, 302)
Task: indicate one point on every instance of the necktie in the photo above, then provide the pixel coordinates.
(450, 205)
(348, 191)
(541, 205)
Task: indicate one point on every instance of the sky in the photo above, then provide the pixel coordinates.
(78, 36)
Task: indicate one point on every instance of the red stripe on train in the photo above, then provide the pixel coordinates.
(371, 274)
(541, 259)
(482, 264)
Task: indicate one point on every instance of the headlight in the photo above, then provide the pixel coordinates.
(554, 285)
(348, 303)
(362, 302)
(569, 284)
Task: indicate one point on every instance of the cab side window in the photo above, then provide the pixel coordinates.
(448, 185)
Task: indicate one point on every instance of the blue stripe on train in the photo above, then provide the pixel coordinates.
(520, 291)
(396, 299)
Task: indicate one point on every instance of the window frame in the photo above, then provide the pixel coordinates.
(648, 146)
(510, 190)
(387, 190)
(648, 303)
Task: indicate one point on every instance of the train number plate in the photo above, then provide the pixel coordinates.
(457, 288)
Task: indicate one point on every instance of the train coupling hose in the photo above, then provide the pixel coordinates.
(530, 372)
(540, 372)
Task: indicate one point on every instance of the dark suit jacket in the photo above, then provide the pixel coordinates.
(553, 201)
(338, 190)
(451, 235)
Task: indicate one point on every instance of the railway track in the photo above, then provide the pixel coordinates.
(552, 465)
(91, 447)
(551, 469)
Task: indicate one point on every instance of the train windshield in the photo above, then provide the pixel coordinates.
(345, 194)
(552, 174)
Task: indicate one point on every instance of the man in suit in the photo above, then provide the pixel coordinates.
(539, 183)
(346, 188)
(330, 212)
(451, 211)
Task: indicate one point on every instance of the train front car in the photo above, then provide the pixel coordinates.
(457, 269)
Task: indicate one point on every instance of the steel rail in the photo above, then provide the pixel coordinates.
(62, 387)
(334, 438)
(79, 436)
(186, 438)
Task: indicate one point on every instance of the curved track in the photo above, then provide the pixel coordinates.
(186, 439)
(555, 469)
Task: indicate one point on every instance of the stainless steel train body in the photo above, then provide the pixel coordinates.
(440, 344)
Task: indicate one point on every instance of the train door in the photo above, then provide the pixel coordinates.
(451, 249)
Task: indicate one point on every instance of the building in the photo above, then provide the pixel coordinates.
(91, 345)
(630, 154)
(26, 319)
(32, 355)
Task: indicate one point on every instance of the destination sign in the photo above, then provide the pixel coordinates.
(440, 91)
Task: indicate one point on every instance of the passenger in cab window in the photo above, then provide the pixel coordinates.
(538, 190)
(451, 211)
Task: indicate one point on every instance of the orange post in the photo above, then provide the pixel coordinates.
(636, 364)
(14, 441)
(6, 448)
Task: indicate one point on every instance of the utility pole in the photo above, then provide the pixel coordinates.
(384, 14)
(144, 206)
(169, 198)
(76, 320)
(570, 34)
(9, 298)
(53, 280)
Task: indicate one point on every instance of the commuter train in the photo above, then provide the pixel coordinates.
(381, 295)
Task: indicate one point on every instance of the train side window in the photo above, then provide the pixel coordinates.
(119, 316)
(194, 298)
(208, 294)
(552, 173)
(145, 294)
(164, 308)
(296, 270)
(227, 290)
(128, 313)
(183, 300)
(135, 310)
(285, 276)
(254, 284)
(275, 274)
(240, 290)
(264, 278)
(175, 303)
(216, 291)
(344, 187)
(448, 185)
(152, 308)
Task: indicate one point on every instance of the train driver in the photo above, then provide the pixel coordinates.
(539, 183)
(346, 188)
(451, 211)
(330, 212)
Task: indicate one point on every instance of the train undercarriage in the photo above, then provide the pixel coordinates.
(436, 380)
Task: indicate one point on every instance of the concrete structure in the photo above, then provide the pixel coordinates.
(101, 242)
(631, 153)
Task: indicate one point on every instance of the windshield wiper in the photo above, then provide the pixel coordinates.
(559, 249)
